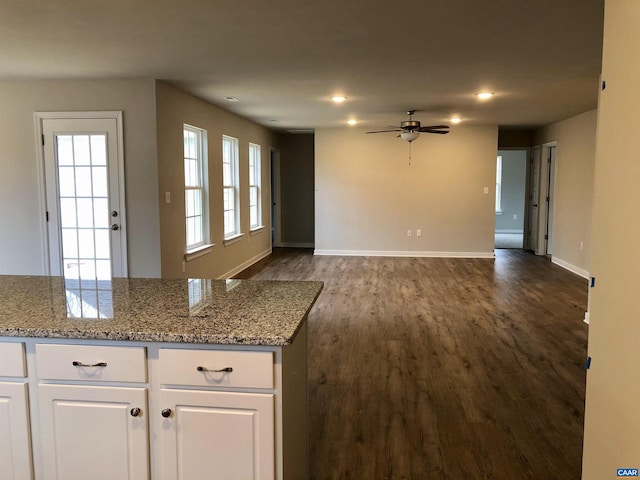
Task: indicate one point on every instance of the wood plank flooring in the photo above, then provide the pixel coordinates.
(432, 368)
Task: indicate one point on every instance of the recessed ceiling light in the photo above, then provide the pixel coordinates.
(484, 95)
(338, 98)
(455, 120)
(232, 99)
(352, 122)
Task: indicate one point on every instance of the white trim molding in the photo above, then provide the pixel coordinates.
(570, 267)
(245, 265)
(405, 253)
(520, 231)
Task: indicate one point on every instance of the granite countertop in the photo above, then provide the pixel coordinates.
(247, 312)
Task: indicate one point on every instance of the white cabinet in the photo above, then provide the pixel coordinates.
(15, 443)
(218, 418)
(217, 435)
(15, 451)
(95, 427)
(93, 432)
(106, 410)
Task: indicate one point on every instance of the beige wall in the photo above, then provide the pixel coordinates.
(21, 234)
(175, 108)
(575, 157)
(297, 187)
(612, 417)
(368, 196)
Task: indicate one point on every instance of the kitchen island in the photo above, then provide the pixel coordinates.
(151, 378)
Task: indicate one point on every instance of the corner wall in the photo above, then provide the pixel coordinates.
(612, 416)
(367, 195)
(22, 235)
(575, 158)
(174, 108)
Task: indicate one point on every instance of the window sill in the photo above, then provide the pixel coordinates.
(233, 239)
(256, 230)
(198, 252)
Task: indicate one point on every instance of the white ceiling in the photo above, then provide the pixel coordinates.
(283, 59)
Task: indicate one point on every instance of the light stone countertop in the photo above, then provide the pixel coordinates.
(243, 312)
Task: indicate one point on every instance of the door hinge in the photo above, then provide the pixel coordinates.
(46, 214)
(43, 140)
(546, 237)
(548, 198)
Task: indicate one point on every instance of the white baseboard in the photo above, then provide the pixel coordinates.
(405, 253)
(586, 318)
(297, 245)
(246, 264)
(571, 268)
(509, 231)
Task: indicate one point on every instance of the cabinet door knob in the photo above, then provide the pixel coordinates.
(135, 412)
(166, 413)
(205, 369)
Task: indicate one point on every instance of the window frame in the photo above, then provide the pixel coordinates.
(255, 174)
(202, 186)
(230, 183)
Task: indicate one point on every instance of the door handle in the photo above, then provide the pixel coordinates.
(115, 226)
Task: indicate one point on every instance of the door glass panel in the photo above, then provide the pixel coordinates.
(84, 206)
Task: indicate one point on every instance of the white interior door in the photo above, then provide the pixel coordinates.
(534, 194)
(84, 187)
(550, 198)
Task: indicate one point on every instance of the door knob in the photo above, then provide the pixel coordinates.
(166, 413)
(114, 213)
(135, 412)
(115, 226)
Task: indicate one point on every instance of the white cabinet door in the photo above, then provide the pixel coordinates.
(15, 450)
(217, 435)
(91, 432)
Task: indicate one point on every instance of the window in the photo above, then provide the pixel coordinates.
(195, 187)
(499, 184)
(255, 184)
(231, 199)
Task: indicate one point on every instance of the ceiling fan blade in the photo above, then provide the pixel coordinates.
(442, 132)
(384, 131)
(434, 127)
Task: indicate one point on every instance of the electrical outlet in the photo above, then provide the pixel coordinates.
(515, 216)
(167, 197)
(581, 245)
(418, 233)
(486, 190)
(408, 233)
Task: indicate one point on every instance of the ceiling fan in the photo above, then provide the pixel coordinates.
(411, 129)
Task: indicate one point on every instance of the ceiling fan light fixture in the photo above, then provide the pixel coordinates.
(455, 120)
(338, 98)
(352, 122)
(409, 136)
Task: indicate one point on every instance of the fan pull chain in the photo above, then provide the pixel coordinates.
(410, 153)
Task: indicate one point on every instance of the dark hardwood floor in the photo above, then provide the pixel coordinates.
(432, 368)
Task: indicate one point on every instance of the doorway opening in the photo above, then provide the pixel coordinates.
(511, 181)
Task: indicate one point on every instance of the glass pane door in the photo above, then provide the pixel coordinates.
(84, 206)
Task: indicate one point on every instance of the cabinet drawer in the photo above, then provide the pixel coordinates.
(12, 360)
(197, 368)
(88, 362)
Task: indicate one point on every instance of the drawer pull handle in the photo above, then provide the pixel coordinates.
(135, 412)
(205, 369)
(80, 364)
